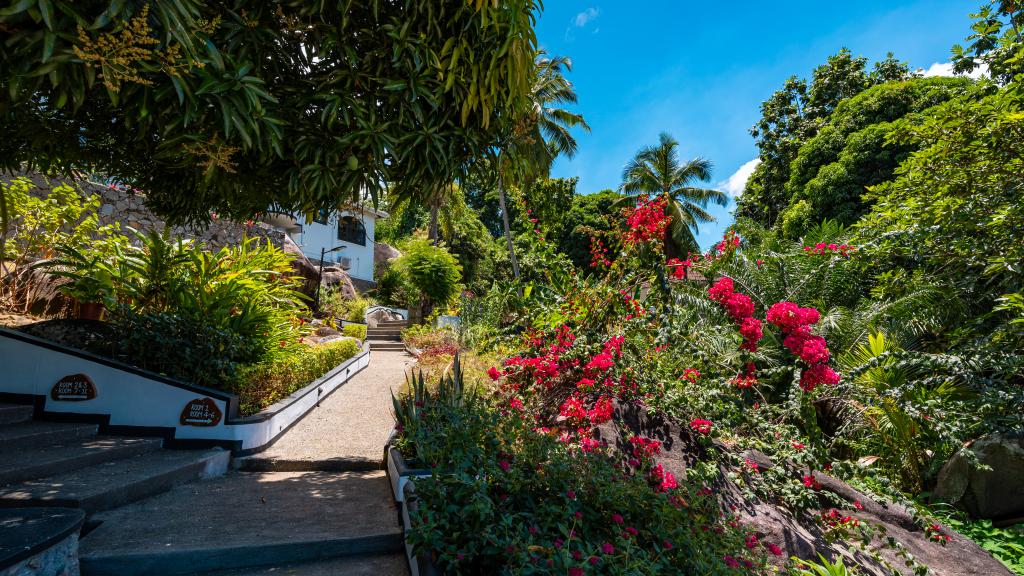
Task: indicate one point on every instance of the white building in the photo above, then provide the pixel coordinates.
(344, 237)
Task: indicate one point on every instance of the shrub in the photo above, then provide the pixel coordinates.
(432, 271)
(504, 498)
(357, 331)
(260, 385)
(182, 346)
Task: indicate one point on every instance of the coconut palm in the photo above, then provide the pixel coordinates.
(657, 171)
(542, 134)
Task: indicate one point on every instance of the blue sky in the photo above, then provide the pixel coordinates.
(699, 70)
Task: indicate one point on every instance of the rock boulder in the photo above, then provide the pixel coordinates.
(994, 493)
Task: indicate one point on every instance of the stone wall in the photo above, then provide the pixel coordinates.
(128, 207)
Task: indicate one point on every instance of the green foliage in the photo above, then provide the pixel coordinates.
(996, 42)
(793, 115)
(590, 216)
(245, 289)
(825, 568)
(181, 345)
(852, 151)
(1005, 544)
(335, 305)
(35, 225)
(357, 331)
(953, 216)
(262, 384)
(431, 270)
(233, 108)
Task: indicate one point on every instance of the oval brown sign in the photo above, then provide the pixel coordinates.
(73, 388)
(200, 412)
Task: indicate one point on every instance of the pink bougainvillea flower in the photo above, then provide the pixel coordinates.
(721, 289)
(607, 548)
(494, 373)
(738, 306)
(617, 518)
(701, 425)
(773, 548)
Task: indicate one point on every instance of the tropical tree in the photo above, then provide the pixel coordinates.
(541, 134)
(657, 171)
(230, 107)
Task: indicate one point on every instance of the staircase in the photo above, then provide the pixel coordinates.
(387, 335)
(159, 512)
(72, 466)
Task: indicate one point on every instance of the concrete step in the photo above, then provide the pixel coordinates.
(14, 413)
(392, 324)
(380, 565)
(263, 463)
(245, 520)
(383, 337)
(117, 482)
(50, 460)
(37, 434)
(380, 345)
(384, 331)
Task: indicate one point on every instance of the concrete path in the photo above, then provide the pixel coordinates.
(349, 428)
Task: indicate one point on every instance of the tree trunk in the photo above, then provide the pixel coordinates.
(508, 229)
(432, 230)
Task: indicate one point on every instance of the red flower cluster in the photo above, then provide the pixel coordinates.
(677, 268)
(574, 411)
(701, 425)
(834, 519)
(811, 482)
(740, 308)
(822, 248)
(812, 349)
(748, 379)
(731, 241)
(663, 479)
(647, 222)
(935, 534)
(691, 374)
(644, 448)
(598, 254)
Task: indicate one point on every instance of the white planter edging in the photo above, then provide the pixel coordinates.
(123, 398)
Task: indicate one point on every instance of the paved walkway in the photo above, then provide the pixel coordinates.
(349, 429)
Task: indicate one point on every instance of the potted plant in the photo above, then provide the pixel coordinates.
(91, 283)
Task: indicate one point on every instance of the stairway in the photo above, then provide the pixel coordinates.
(387, 335)
(72, 466)
(158, 512)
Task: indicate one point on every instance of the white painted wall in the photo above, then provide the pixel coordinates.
(132, 399)
(315, 236)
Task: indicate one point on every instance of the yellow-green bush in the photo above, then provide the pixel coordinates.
(260, 385)
(357, 331)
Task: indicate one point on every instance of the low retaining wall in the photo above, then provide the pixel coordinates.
(68, 384)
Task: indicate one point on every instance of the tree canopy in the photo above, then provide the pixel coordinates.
(231, 107)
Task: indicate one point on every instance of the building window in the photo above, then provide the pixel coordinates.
(351, 230)
(321, 216)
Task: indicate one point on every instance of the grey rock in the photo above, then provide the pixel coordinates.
(995, 492)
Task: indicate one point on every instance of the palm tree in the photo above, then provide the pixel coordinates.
(541, 135)
(656, 170)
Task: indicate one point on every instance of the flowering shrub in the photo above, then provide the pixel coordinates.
(795, 322)
(646, 222)
(527, 503)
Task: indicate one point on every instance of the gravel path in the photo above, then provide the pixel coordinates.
(352, 424)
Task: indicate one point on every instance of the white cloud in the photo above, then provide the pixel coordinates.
(587, 15)
(735, 184)
(946, 69)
